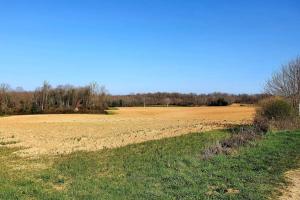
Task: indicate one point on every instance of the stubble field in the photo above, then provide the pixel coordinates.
(60, 134)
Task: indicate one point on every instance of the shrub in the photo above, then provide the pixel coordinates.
(240, 139)
(276, 113)
(292, 123)
(213, 150)
(35, 108)
(240, 136)
(275, 108)
(261, 124)
(218, 102)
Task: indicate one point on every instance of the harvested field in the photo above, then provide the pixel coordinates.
(59, 134)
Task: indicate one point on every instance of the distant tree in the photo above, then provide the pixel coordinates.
(34, 108)
(4, 98)
(179, 99)
(218, 102)
(47, 99)
(167, 101)
(45, 93)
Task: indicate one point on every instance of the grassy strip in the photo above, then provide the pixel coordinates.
(165, 169)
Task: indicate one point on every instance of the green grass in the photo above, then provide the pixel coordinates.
(165, 169)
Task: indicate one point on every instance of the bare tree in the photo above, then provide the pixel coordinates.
(97, 96)
(4, 98)
(179, 99)
(286, 82)
(47, 99)
(45, 92)
(167, 101)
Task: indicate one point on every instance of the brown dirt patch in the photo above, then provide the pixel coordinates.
(58, 134)
(292, 192)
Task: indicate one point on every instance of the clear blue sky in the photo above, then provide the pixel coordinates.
(148, 45)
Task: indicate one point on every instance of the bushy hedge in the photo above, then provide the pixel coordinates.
(276, 113)
(275, 108)
(218, 102)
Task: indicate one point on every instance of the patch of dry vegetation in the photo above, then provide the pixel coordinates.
(292, 192)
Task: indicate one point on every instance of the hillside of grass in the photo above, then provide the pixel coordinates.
(165, 169)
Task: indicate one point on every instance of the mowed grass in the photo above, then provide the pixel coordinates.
(165, 169)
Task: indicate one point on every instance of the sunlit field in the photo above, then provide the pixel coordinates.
(65, 133)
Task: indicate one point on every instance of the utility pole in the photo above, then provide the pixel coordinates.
(144, 102)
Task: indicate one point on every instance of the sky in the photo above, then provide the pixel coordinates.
(132, 46)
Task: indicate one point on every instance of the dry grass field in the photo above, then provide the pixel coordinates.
(59, 134)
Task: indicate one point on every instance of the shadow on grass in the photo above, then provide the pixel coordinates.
(165, 169)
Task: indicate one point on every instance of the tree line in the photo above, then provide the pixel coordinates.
(179, 99)
(284, 83)
(48, 99)
(93, 98)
